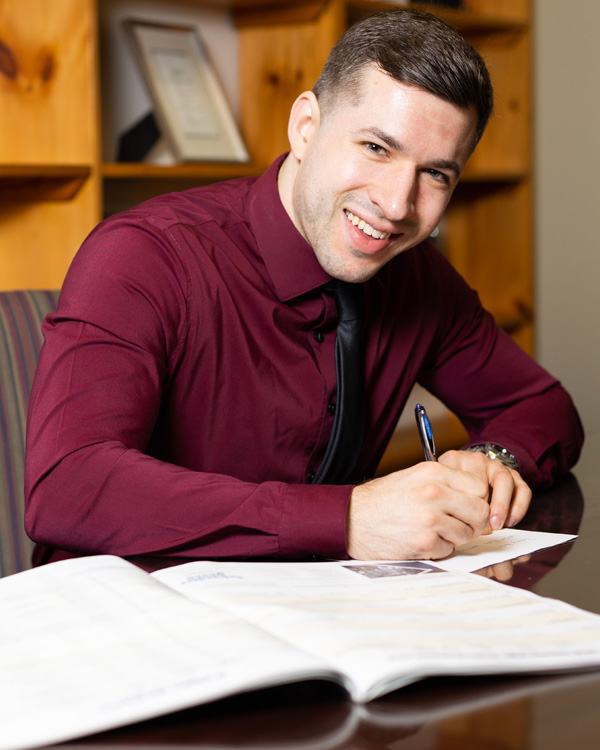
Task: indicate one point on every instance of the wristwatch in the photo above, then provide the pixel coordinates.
(497, 453)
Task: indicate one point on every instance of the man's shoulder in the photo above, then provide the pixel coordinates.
(221, 203)
(173, 236)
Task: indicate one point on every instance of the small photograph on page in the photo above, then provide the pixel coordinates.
(385, 570)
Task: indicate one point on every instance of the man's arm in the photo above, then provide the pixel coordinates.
(499, 392)
(502, 396)
(93, 481)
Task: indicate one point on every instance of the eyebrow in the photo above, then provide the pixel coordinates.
(395, 145)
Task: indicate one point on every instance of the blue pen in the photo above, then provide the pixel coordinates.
(425, 433)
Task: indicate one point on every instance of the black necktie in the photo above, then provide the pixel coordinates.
(349, 422)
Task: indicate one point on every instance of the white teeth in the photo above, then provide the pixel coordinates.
(366, 228)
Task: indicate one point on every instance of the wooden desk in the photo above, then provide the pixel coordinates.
(443, 714)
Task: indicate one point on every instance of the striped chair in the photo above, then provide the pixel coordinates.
(21, 316)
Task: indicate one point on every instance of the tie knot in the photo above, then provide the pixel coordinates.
(349, 299)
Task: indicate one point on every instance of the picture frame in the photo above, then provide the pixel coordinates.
(190, 105)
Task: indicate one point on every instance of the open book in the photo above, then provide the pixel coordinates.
(95, 643)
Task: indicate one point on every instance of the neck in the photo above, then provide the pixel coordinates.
(285, 183)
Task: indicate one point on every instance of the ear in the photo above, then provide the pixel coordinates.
(305, 118)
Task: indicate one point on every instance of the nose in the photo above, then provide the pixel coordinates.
(395, 192)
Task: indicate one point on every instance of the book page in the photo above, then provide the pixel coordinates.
(94, 643)
(387, 624)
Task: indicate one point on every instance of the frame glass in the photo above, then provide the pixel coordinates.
(191, 108)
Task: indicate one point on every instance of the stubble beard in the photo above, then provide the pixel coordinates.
(352, 266)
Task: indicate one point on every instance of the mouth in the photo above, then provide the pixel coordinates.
(365, 227)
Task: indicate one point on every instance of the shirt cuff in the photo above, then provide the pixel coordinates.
(313, 521)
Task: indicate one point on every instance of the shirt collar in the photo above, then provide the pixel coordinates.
(289, 259)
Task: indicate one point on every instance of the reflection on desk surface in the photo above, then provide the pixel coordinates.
(437, 713)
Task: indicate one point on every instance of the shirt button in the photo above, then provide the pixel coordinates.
(319, 338)
(311, 477)
(331, 408)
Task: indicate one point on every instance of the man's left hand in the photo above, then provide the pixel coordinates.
(509, 493)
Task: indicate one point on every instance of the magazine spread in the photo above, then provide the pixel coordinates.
(95, 643)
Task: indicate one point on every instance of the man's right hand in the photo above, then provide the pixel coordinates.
(419, 513)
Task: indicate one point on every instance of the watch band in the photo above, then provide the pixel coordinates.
(496, 453)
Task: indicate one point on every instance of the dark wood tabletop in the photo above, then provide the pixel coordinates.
(496, 713)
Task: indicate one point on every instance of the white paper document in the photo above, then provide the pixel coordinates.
(506, 544)
(384, 625)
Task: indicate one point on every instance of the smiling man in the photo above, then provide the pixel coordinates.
(373, 176)
(187, 391)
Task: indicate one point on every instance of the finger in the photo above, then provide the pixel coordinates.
(503, 571)
(460, 480)
(484, 469)
(502, 484)
(500, 571)
(455, 516)
(510, 498)
(520, 502)
(429, 546)
(472, 462)
(455, 519)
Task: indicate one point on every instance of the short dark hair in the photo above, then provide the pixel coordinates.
(413, 47)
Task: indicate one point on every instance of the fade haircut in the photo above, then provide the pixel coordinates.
(412, 47)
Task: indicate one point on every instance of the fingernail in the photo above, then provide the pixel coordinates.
(510, 521)
(495, 522)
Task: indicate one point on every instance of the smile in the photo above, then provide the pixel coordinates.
(366, 228)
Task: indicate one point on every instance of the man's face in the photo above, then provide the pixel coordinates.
(374, 176)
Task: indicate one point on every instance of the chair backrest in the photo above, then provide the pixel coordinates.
(21, 316)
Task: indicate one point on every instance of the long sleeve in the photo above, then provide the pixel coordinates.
(503, 396)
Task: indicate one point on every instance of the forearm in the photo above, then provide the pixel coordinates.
(543, 431)
(110, 499)
(503, 396)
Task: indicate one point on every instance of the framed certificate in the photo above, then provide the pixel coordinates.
(190, 106)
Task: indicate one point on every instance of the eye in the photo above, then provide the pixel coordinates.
(374, 148)
(438, 176)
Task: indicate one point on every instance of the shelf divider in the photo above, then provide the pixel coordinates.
(41, 182)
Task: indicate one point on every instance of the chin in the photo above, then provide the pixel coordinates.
(353, 275)
(353, 268)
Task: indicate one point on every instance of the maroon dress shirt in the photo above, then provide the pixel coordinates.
(181, 401)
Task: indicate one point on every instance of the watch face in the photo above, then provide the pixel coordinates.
(496, 453)
(501, 454)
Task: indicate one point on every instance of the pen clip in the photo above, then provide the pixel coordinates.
(425, 433)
